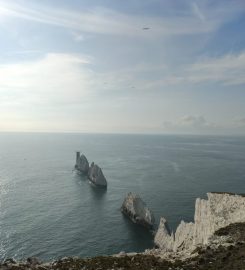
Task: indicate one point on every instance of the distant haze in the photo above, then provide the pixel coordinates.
(113, 66)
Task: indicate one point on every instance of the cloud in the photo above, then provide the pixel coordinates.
(69, 78)
(53, 79)
(107, 21)
(78, 36)
(229, 70)
(53, 93)
(226, 70)
(124, 75)
(198, 12)
(59, 79)
(198, 124)
(193, 121)
(190, 124)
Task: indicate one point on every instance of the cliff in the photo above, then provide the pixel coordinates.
(218, 211)
(229, 256)
(135, 208)
(216, 240)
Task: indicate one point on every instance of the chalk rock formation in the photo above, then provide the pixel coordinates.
(82, 164)
(137, 211)
(163, 238)
(218, 211)
(96, 175)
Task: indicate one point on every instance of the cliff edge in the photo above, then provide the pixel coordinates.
(218, 211)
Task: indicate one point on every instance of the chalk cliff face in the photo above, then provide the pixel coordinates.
(96, 175)
(218, 211)
(163, 238)
(137, 211)
(82, 163)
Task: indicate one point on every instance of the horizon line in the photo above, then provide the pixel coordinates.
(126, 133)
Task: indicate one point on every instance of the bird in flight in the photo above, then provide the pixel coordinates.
(145, 28)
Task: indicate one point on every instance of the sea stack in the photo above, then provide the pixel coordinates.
(82, 164)
(96, 175)
(135, 208)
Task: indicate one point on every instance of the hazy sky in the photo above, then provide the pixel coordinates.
(90, 66)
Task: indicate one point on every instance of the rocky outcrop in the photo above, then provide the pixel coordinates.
(218, 211)
(82, 164)
(163, 238)
(93, 172)
(137, 211)
(96, 175)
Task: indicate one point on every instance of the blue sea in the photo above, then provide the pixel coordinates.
(49, 211)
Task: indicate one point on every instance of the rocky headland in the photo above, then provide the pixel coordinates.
(215, 240)
(218, 211)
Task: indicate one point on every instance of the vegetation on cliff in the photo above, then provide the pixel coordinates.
(228, 256)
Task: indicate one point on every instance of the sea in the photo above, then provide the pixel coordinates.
(49, 211)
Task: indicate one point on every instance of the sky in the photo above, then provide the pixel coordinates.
(132, 66)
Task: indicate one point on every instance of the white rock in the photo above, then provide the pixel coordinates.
(219, 210)
(163, 239)
(96, 175)
(82, 163)
(137, 211)
(183, 236)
